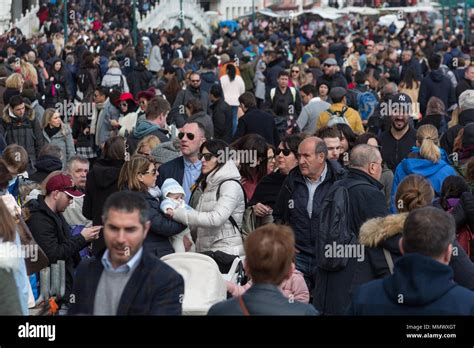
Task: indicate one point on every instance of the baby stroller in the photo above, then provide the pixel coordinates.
(204, 284)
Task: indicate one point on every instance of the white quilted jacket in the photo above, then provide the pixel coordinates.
(211, 217)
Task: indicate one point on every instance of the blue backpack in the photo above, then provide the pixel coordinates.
(366, 104)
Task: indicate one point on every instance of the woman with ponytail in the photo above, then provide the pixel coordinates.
(233, 86)
(426, 159)
(380, 237)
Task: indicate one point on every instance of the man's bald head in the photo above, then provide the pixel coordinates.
(368, 159)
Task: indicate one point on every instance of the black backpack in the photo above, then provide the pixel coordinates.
(84, 80)
(334, 228)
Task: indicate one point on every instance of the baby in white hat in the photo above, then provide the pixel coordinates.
(173, 197)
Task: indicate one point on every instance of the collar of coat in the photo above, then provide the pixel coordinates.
(376, 230)
(29, 112)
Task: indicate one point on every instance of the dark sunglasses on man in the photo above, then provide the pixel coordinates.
(189, 135)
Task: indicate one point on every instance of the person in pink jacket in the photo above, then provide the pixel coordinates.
(294, 288)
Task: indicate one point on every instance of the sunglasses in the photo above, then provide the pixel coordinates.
(123, 105)
(327, 65)
(286, 152)
(189, 135)
(153, 172)
(195, 81)
(206, 156)
(295, 71)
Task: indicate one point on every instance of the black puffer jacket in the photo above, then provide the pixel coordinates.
(101, 183)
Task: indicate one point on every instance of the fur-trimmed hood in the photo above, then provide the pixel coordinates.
(29, 112)
(376, 230)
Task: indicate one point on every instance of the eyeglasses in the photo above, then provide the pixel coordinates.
(123, 105)
(286, 152)
(189, 135)
(207, 156)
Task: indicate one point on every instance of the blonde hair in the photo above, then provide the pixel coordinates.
(454, 117)
(114, 64)
(302, 76)
(29, 72)
(15, 81)
(48, 115)
(128, 177)
(427, 137)
(150, 140)
(58, 42)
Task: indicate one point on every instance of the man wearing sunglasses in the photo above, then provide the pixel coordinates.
(187, 168)
(177, 114)
(332, 76)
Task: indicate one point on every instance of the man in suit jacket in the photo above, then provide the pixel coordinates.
(126, 279)
(270, 250)
(187, 168)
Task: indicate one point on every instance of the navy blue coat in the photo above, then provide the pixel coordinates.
(173, 169)
(256, 121)
(262, 299)
(162, 227)
(420, 285)
(153, 289)
(436, 85)
(295, 191)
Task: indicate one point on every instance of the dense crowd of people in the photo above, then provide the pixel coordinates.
(335, 158)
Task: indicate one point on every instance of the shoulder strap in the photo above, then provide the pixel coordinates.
(272, 94)
(293, 93)
(231, 218)
(243, 307)
(388, 258)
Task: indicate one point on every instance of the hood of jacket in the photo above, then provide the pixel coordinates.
(444, 155)
(209, 77)
(114, 71)
(423, 167)
(226, 172)
(376, 230)
(48, 164)
(466, 116)
(106, 172)
(436, 75)
(29, 112)
(144, 128)
(420, 279)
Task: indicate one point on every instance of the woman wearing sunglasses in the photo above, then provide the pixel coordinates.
(128, 114)
(221, 205)
(267, 190)
(139, 175)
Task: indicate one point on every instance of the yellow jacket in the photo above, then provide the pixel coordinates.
(352, 116)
